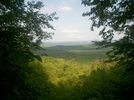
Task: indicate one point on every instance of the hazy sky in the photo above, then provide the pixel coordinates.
(70, 26)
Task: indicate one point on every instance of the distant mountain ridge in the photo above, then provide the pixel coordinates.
(49, 44)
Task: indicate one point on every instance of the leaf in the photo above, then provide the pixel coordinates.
(25, 41)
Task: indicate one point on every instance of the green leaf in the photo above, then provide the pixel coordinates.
(25, 41)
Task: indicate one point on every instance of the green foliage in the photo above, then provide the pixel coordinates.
(97, 85)
(83, 54)
(22, 77)
(38, 81)
(21, 29)
(60, 70)
(25, 29)
(116, 17)
(70, 80)
(58, 79)
(56, 75)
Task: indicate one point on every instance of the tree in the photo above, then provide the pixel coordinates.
(116, 17)
(22, 25)
(22, 28)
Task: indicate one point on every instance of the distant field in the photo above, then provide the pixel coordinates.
(82, 53)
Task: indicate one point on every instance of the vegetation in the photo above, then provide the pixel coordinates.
(20, 23)
(116, 17)
(67, 77)
(73, 72)
(81, 53)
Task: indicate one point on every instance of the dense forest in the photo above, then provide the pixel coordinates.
(103, 70)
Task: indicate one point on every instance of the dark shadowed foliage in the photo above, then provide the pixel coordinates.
(21, 28)
(116, 17)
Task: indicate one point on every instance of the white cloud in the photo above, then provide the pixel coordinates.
(71, 31)
(65, 8)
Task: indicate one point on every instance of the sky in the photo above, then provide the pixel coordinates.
(71, 25)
